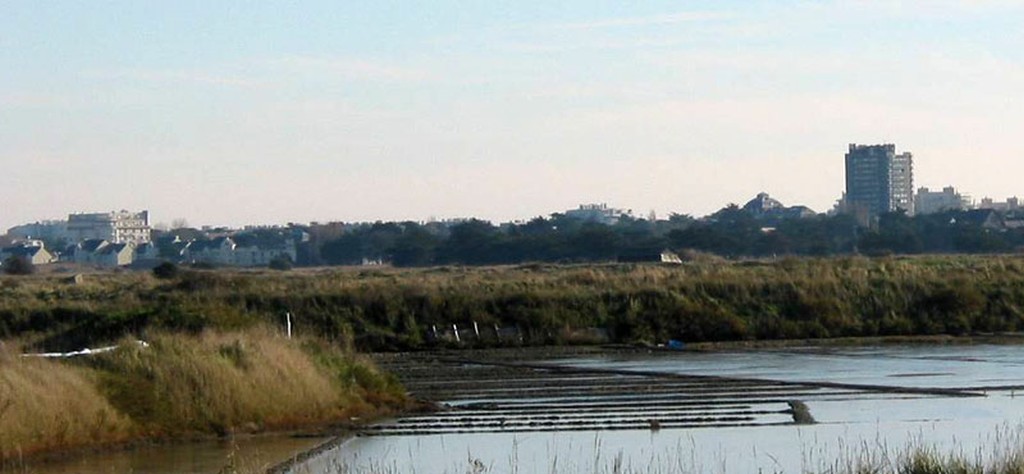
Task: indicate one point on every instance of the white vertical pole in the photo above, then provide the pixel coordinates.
(455, 327)
(288, 319)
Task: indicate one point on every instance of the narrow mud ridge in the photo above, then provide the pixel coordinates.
(499, 395)
(941, 392)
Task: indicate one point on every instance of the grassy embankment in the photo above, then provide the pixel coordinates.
(184, 386)
(384, 309)
(208, 355)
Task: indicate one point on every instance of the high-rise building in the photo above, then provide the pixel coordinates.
(878, 180)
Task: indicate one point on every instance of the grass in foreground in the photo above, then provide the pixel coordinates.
(185, 386)
(46, 405)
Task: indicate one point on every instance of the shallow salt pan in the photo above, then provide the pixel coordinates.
(857, 425)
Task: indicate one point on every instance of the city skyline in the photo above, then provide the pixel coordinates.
(358, 112)
(947, 199)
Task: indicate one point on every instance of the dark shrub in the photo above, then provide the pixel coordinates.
(19, 266)
(166, 271)
(280, 262)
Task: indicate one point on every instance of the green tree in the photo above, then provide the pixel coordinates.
(415, 247)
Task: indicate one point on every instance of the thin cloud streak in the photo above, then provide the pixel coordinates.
(35, 100)
(173, 76)
(354, 68)
(652, 20)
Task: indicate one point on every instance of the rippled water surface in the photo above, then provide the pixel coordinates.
(208, 457)
(669, 417)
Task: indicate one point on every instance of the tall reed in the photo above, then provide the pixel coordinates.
(47, 405)
(182, 385)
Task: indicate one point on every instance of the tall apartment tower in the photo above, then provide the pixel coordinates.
(878, 180)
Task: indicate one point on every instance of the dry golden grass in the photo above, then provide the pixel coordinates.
(47, 404)
(222, 383)
(184, 385)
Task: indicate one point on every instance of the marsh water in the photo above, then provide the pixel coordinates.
(255, 454)
(722, 412)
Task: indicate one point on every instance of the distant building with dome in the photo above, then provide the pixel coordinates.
(764, 206)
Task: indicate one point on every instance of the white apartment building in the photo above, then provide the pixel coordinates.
(599, 213)
(115, 227)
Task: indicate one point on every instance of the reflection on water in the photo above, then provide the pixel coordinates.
(853, 424)
(849, 431)
(904, 366)
(256, 454)
(769, 449)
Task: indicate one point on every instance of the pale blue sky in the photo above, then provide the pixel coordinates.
(268, 112)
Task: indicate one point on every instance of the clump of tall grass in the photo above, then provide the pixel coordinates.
(1003, 453)
(227, 382)
(48, 405)
(184, 385)
(926, 461)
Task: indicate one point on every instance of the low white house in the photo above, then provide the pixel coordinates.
(100, 252)
(147, 251)
(36, 254)
(224, 251)
(85, 252)
(115, 255)
(219, 251)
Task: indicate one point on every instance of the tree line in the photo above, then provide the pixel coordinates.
(731, 232)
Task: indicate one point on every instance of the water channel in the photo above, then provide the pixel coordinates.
(721, 412)
(253, 454)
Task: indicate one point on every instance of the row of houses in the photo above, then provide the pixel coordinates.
(224, 251)
(221, 251)
(94, 252)
(32, 251)
(100, 252)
